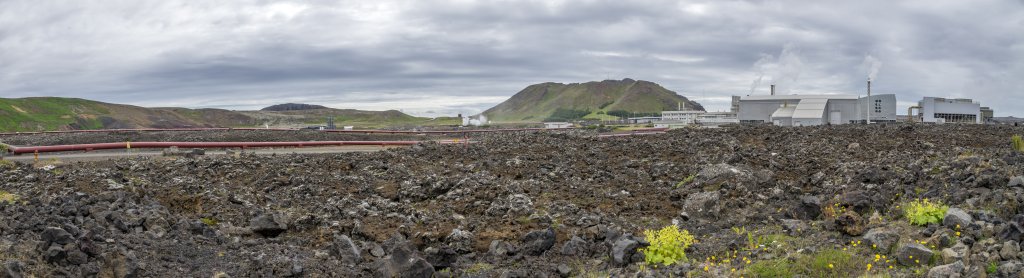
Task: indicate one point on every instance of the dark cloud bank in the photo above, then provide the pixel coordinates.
(464, 56)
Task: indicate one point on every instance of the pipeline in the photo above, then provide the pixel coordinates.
(366, 131)
(369, 131)
(5, 148)
(629, 134)
(160, 145)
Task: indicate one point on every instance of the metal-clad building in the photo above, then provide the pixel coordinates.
(810, 110)
(960, 110)
(684, 116)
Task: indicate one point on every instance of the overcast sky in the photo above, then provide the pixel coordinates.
(429, 57)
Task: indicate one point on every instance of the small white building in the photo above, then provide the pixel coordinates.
(688, 116)
(643, 120)
(944, 110)
(557, 125)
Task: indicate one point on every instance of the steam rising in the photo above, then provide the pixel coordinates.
(760, 67)
(479, 121)
(872, 65)
(788, 69)
(784, 72)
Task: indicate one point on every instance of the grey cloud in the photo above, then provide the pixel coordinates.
(463, 56)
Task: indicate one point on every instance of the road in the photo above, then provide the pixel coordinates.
(111, 154)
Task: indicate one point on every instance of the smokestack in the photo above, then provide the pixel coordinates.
(869, 102)
(773, 89)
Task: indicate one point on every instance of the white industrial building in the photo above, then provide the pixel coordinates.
(557, 125)
(675, 119)
(686, 116)
(811, 110)
(713, 119)
(944, 110)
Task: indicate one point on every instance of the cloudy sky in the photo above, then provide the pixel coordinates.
(430, 57)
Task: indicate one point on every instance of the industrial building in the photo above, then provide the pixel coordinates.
(685, 116)
(811, 110)
(675, 119)
(713, 119)
(945, 110)
(557, 125)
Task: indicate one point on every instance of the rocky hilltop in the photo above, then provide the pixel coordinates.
(292, 107)
(836, 201)
(596, 100)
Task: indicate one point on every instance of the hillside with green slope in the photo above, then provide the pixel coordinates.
(53, 113)
(591, 100)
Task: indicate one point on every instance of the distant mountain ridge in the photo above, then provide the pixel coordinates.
(54, 113)
(608, 99)
(293, 107)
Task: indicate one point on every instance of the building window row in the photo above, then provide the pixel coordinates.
(957, 118)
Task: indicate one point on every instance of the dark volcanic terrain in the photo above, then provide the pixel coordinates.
(761, 201)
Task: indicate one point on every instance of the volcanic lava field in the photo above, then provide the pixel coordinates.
(759, 201)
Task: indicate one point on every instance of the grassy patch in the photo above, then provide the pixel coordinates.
(6, 164)
(771, 269)
(563, 115)
(48, 113)
(1017, 142)
(601, 116)
(829, 263)
(478, 268)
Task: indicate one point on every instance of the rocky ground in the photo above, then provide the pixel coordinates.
(761, 201)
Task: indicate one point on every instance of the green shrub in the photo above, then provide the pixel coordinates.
(991, 268)
(668, 245)
(1018, 143)
(209, 221)
(7, 197)
(686, 181)
(922, 212)
(6, 164)
(478, 268)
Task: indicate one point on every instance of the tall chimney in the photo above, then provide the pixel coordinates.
(773, 89)
(870, 104)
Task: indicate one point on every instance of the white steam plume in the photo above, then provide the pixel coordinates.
(479, 121)
(760, 67)
(783, 72)
(787, 69)
(872, 65)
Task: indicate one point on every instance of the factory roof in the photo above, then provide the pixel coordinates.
(784, 112)
(797, 97)
(810, 108)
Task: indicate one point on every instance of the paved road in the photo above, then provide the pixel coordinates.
(110, 154)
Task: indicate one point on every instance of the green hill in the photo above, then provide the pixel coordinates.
(53, 113)
(607, 99)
